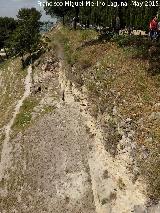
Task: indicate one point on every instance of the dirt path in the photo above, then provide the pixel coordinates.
(5, 157)
(48, 164)
(59, 164)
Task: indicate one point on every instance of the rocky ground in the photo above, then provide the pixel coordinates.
(48, 169)
(59, 163)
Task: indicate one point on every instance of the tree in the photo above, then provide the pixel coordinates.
(25, 38)
(7, 26)
(128, 12)
(59, 11)
(63, 9)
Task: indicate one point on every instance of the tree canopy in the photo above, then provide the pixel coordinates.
(25, 38)
(7, 26)
(130, 13)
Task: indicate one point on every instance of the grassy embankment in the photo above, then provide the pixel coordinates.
(11, 90)
(32, 109)
(116, 76)
(12, 78)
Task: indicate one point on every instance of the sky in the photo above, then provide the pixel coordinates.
(10, 8)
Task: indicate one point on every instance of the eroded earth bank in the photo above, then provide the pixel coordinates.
(55, 158)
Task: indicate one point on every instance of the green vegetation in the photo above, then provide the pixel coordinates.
(26, 37)
(72, 50)
(25, 116)
(129, 15)
(7, 26)
(135, 45)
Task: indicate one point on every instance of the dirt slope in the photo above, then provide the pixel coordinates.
(48, 164)
(58, 162)
(50, 171)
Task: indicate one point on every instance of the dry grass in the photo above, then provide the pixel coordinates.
(11, 90)
(115, 77)
(121, 184)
